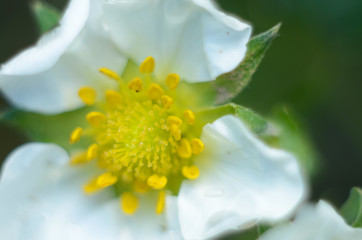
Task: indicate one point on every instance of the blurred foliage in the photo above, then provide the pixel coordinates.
(46, 16)
(352, 208)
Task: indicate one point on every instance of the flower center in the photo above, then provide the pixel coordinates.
(143, 137)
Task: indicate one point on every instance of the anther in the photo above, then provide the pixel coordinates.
(140, 186)
(176, 132)
(88, 95)
(110, 73)
(102, 181)
(113, 98)
(148, 65)
(166, 101)
(184, 149)
(189, 116)
(129, 203)
(156, 181)
(172, 80)
(197, 146)
(75, 135)
(78, 159)
(160, 202)
(92, 152)
(173, 120)
(154, 91)
(136, 85)
(95, 118)
(191, 172)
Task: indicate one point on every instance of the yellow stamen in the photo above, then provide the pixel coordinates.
(166, 101)
(176, 132)
(95, 118)
(148, 65)
(129, 203)
(184, 149)
(197, 146)
(92, 152)
(191, 172)
(140, 187)
(75, 135)
(88, 95)
(172, 80)
(110, 73)
(189, 116)
(161, 202)
(136, 85)
(154, 91)
(173, 120)
(113, 98)
(102, 181)
(156, 181)
(79, 159)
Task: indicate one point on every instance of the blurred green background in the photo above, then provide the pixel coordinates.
(314, 66)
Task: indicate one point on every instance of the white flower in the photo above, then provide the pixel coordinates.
(146, 134)
(320, 222)
(245, 182)
(188, 37)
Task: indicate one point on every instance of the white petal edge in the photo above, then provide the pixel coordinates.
(188, 37)
(242, 181)
(46, 78)
(319, 222)
(41, 198)
(52, 45)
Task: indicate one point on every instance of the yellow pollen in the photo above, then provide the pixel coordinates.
(88, 95)
(172, 80)
(79, 159)
(160, 202)
(176, 132)
(92, 152)
(113, 98)
(191, 172)
(166, 101)
(190, 117)
(110, 73)
(95, 118)
(102, 181)
(157, 182)
(184, 149)
(173, 120)
(129, 203)
(135, 85)
(197, 146)
(148, 65)
(75, 135)
(154, 91)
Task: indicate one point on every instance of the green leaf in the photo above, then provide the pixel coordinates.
(352, 208)
(46, 16)
(49, 128)
(292, 136)
(229, 85)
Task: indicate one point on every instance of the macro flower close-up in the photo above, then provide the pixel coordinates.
(127, 107)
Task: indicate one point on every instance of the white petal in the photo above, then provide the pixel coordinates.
(46, 78)
(52, 45)
(320, 222)
(242, 181)
(41, 198)
(188, 37)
